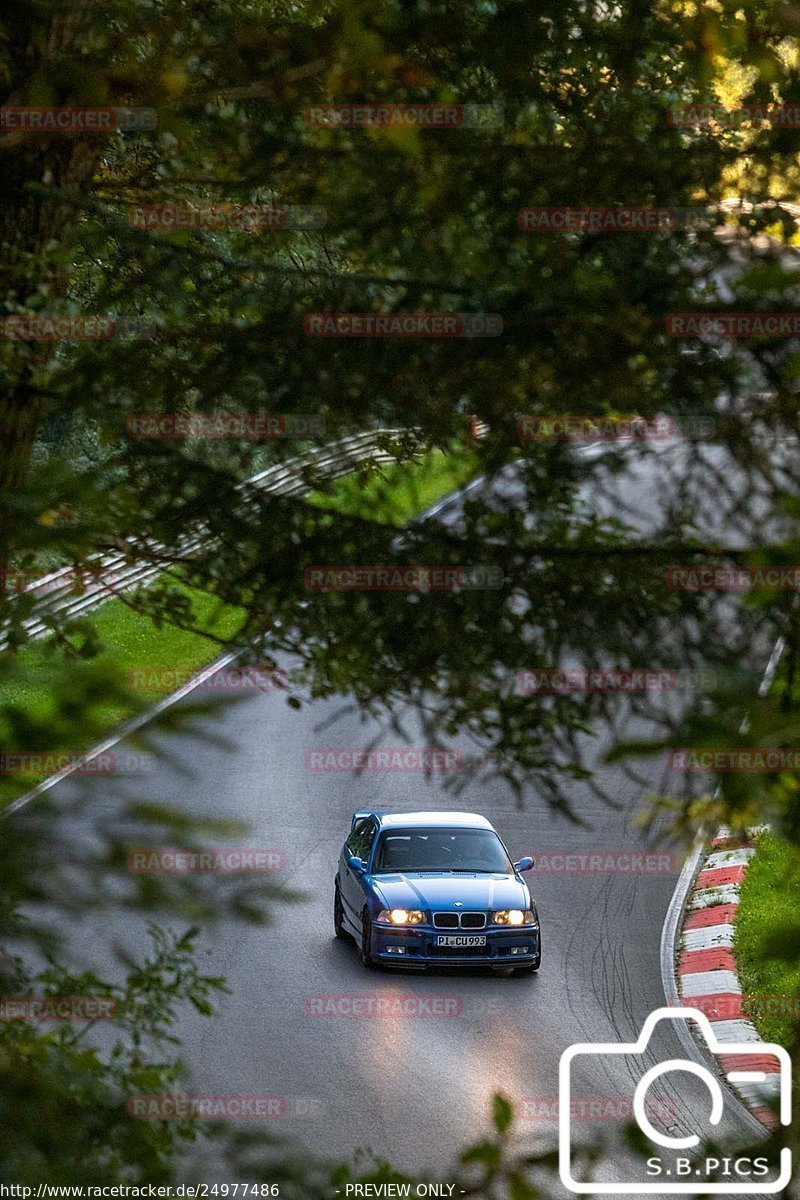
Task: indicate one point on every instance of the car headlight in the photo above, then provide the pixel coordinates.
(401, 916)
(514, 916)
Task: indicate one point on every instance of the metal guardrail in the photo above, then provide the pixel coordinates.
(115, 573)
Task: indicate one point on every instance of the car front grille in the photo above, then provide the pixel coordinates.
(445, 920)
(454, 920)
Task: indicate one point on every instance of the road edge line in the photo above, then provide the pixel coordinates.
(132, 725)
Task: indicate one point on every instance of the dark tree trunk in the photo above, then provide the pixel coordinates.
(40, 174)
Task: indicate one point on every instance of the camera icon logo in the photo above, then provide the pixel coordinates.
(684, 1176)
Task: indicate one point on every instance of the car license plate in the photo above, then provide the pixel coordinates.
(453, 939)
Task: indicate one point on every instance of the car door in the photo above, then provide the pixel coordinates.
(359, 844)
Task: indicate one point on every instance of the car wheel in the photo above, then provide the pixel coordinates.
(338, 915)
(365, 945)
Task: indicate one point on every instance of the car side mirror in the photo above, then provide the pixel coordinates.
(355, 864)
(524, 864)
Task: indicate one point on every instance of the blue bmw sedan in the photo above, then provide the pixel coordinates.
(433, 888)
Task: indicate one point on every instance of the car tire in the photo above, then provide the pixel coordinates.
(338, 915)
(365, 944)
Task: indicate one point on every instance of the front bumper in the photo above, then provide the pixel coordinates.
(504, 947)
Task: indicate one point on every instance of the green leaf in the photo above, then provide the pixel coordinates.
(502, 1113)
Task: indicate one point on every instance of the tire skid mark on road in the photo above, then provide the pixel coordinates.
(615, 980)
(613, 989)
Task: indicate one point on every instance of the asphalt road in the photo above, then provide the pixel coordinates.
(417, 1088)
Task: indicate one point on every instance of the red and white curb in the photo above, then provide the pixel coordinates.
(707, 976)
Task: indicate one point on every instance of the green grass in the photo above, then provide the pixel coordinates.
(395, 493)
(766, 937)
(131, 642)
(137, 641)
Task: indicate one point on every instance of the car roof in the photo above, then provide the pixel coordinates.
(408, 820)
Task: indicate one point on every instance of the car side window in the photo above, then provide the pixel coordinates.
(355, 833)
(360, 841)
(366, 839)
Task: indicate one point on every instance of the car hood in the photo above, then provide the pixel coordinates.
(478, 892)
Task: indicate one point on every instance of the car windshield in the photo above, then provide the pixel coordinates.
(441, 850)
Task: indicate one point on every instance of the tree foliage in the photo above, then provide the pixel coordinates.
(416, 220)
